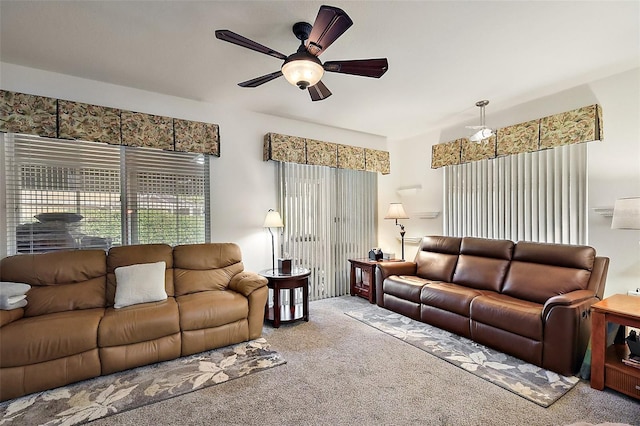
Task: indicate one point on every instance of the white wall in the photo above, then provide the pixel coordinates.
(243, 186)
(613, 170)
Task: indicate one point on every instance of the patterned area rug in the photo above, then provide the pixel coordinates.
(92, 399)
(529, 381)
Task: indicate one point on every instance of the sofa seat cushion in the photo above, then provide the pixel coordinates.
(510, 314)
(407, 287)
(138, 323)
(47, 337)
(208, 309)
(449, 297)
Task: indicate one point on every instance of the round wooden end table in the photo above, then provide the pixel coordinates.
(298, 278)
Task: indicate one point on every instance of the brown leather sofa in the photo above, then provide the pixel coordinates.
(530, 300)
(70, 331)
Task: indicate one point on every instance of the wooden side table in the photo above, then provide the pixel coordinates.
(607, 368)
(365, 286)
(298, 278)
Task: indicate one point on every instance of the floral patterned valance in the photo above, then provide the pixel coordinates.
(294, 149)
(576, 126)
(20, 113)
(57, 118)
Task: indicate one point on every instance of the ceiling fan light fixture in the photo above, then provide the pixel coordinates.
(303, 70)
(480, 135)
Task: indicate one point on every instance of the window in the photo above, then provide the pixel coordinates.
(166, 197)
(539, 196)
(64, 194)
(330, 216)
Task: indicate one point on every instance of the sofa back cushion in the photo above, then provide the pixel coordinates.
(483, 263)
(540, 271)
(60, 281)
(202, 267)
(437, 257)
(137, 254)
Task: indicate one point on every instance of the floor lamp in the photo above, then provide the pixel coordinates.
(396, 211)
(273, 220)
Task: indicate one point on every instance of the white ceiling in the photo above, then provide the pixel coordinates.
(443, 56)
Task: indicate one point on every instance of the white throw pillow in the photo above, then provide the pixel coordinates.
(9, 289)
(140, 283)
(13, 295)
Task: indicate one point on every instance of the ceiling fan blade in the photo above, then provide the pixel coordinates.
(260, 80)
(364, 67)
(319, 91)
(330, 24)
(234, 38)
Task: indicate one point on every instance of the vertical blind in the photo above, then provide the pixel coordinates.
(62, 194)
(539, 196)
(330, 216)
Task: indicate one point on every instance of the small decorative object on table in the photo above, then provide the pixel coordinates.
(633, 341)
(284, 266)
(375, 254)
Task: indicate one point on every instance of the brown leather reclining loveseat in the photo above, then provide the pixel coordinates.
(70, 330)
(530, 300)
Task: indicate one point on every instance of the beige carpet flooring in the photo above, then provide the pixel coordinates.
(340, 371)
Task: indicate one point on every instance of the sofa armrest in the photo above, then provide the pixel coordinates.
(567, 329)
(568, 299)
(397, 268)
(246, 282)
(10, 316)
(386, 269)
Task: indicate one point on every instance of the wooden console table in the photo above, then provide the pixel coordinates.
(607, 368)
(297, 279)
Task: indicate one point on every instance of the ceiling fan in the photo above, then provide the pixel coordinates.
(483, 132)
(303, 68)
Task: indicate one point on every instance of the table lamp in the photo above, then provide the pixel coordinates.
(273, 220)
(396, 211)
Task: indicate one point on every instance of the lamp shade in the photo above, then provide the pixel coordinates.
(273, 220)
(302, 69)
(626, 213)
(396, 211)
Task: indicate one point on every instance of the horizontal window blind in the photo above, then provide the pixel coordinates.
(166, 197)
(539, 196)
(63, 194)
